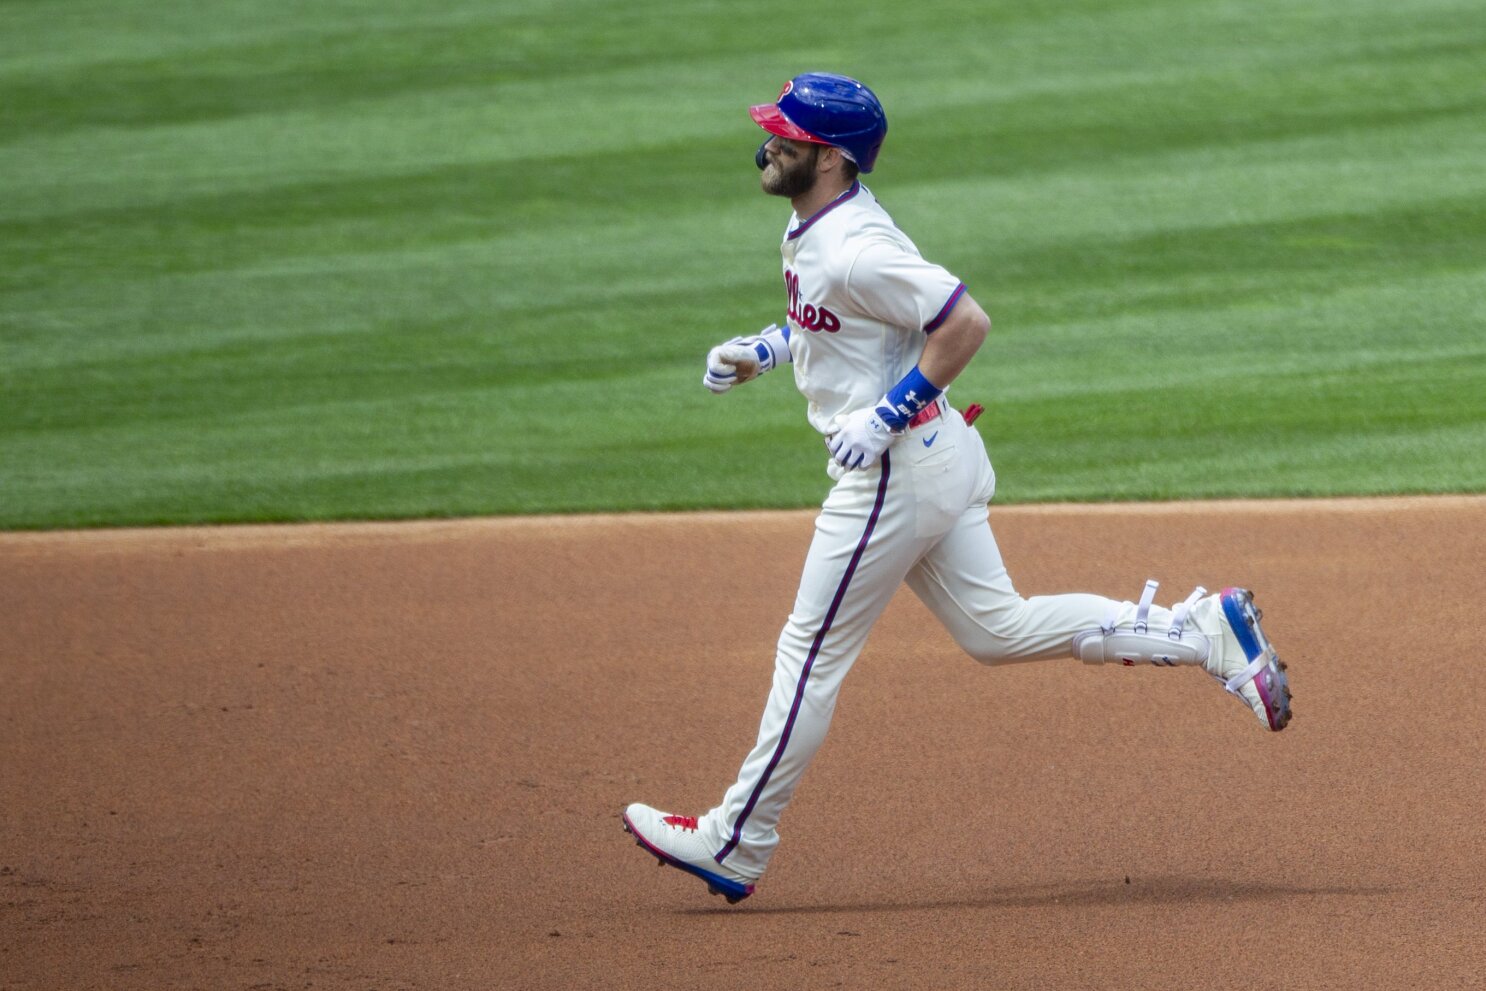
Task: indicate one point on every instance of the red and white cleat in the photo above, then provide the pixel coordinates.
(673, 840)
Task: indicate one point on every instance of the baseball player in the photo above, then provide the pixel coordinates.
(876, 334)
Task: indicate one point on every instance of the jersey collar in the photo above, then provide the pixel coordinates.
(856, 187)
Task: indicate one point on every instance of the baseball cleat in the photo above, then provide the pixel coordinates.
(1246, 662)
(673, 840)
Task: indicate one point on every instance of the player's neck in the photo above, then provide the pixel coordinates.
(821, 196)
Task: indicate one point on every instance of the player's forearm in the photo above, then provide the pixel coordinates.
(949, 348)
(945, 355)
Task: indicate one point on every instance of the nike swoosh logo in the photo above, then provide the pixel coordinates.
(930, 439)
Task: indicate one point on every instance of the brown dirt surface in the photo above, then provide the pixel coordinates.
(393, 756)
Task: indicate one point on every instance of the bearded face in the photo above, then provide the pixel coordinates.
(790, 171)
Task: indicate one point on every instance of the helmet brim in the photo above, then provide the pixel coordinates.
(772, 119)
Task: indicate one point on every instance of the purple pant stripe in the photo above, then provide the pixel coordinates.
(825, 627)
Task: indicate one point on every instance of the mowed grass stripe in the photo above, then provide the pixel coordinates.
(1068, 51)
(282, 225)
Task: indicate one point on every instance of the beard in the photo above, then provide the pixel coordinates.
(791, 179)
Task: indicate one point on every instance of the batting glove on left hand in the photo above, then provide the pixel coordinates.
(860, 438)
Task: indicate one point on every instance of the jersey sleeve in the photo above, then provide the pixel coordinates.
(895, 285)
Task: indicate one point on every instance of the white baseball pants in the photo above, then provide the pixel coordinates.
(920, 517)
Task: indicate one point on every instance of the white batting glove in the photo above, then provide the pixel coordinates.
(744, 359)
(730, 364)
(859, 439)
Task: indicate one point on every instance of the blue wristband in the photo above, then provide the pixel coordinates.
(903, 400)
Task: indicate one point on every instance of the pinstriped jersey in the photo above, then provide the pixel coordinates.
(862, 301)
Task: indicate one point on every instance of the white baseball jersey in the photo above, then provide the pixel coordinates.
(861, 300)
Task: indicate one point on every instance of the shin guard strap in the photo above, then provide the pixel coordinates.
(1179, 614)
(1143, 610)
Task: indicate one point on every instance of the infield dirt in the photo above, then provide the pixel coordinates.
(393, 756)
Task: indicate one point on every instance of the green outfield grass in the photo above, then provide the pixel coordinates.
(266, 260)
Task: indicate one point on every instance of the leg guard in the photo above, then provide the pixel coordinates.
(1123, 638)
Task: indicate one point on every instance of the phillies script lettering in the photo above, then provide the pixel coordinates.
(808, 315)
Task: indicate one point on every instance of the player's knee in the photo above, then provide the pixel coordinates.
(992, 638)
(989, 650)
(986, 646)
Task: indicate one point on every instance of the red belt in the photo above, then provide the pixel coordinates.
(928, 414)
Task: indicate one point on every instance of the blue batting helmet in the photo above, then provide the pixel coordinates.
(826, 109)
